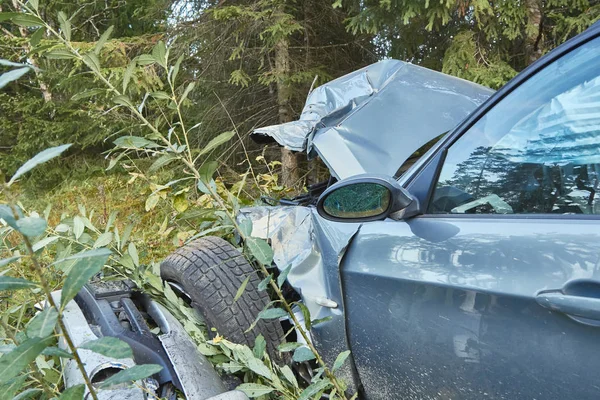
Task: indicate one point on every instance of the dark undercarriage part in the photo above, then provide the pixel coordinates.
(116, 309)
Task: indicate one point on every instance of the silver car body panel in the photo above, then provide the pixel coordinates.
(291, 233)
(310, 246)
(198, 377)
(373, 119)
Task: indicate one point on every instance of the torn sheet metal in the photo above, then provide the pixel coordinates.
(373, 119)
(291, 233)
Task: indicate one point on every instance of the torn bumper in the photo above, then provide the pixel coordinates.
(93, 314)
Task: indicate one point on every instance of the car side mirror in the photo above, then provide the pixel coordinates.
(366, 197)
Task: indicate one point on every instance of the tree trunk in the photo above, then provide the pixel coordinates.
(290, 174)
(533, 50)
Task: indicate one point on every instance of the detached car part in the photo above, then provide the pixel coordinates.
(115, 309)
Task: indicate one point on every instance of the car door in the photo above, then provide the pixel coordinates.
(494, 292)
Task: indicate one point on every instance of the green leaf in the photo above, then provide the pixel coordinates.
(10, 283)
(145, 59)
(258, 367)
(60, 54)
(43, 324)
(305, 314)
(6, 213)
(264, 283)
(302, 354)
(85, 254)
(7, 16)
(123, 100)
(103, 240)
(13, 363)
(203, 214)
(159, 53)
(187, 91)
(31, 226)
(241, 289)
(37, 36)
(134, 142)
(132, 374)
(260, 345)
(7, 348)
(260, 250)
(88, 93)
(73, 393)
(28, 394)
(78, 226)
(128, 74)
(175, 70)
(65, 25)
(38, 159)
(160, 95)
(246, 227)
(313, 389)
(339, 361)
(35, 4)
(320, 320)
(9, 389)
(109, 346)
(39, 245)
(84, 269)
(217, 141)
(92, 61)
(207, 170)
(288, 346)
(103, 39)
(9, 260)
(133, 253)
(151, 202)
(7, 63)
(56, 352)
(272, 313)
(205, 188)
(283, 275)
(126, 234)
(254, 389)
(27, 20)
(287, 373)
(13, 75)
(162, 161)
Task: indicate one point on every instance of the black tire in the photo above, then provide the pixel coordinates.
(211, 271)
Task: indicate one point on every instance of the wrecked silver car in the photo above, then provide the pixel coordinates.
(470, 273)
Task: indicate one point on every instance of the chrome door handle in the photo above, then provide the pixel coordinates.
(580, 306)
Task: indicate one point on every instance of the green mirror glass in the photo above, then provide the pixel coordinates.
(359, 200)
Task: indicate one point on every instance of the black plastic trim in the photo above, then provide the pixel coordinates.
(146, 348)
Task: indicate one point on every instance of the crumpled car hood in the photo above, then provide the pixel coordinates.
(373, 119)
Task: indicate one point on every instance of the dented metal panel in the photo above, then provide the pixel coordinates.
(373, 119)
(291, 233)
(314, 248)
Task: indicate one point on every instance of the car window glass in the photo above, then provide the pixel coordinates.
(536, 151)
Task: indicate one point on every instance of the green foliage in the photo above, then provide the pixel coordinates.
(36, 339)
(487, 42)
(131, 374)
